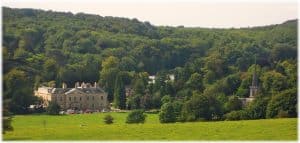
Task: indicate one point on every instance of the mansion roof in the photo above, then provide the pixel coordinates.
(85, 88)
(73, 90)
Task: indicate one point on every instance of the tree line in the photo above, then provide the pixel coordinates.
(212, 67)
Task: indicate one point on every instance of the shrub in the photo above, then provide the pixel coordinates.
(53, 108)
(233, 104)
(136, 116)
(207, 107)
(285, 101)
(108, 119)
(167, 114)
(236, 115)
(165, 99)
(6, 121)
(283, 114)
(257, 109)
(177, 106)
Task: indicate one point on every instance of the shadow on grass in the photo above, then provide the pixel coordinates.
(17, 138)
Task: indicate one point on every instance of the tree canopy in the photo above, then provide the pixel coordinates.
(209, 65)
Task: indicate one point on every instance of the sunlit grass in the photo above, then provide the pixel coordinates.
(92, 127)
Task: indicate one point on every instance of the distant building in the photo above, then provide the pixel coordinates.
(81, 97)
(254, 86)
(170, 77)
(253, 89)
(128, 91)
(151, 79)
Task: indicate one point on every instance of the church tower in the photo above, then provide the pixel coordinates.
(254, 86)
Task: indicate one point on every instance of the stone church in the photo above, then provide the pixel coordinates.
(81, 97)
(253, 89)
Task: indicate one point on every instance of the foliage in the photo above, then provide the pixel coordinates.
(6, 121)
(108, 75)
(258, 108)
(119, 93)
(233, 104)
(166, 99)
(195, 82)
(108, 119)
(282, 114)
(134, 102)
(55, 47)
(273, 82)
(21, 97)
(236, 115)
(53, 108)
(136, 116)
(285, 101)
(167, 113)
(205, 107)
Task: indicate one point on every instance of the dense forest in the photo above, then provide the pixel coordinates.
(212, 67)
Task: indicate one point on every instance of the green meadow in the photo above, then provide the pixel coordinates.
(92, 127)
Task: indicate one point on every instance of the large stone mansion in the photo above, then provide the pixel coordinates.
(81, 97)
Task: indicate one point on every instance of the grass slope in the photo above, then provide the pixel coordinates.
(31, 127)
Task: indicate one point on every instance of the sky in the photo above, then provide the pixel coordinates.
(189, 13)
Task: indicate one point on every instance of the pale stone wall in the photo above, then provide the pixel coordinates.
(96, 101)
(60, 99)
(45, 94)
(80, 98)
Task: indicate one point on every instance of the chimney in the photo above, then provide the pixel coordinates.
(95, 85)
(83, 85)
(76, 84)
(64, 85)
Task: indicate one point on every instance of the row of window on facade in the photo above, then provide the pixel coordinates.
(91, 105)
(74, 98)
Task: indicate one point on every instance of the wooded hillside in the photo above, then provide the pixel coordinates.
(46, 47)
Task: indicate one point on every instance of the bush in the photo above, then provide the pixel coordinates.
(282, 114)
(257, 109)
(234, 104)
(189, 118)
(6, 121)
(167, 114)
(236, 115)
(136, 116)
(53, 108)
(285, 101)
(206, 107)
(166, 99)
(108, 119)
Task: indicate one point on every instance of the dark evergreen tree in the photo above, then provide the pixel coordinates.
(53, 108)
(136, 116)
(167, 113)
(119, 93)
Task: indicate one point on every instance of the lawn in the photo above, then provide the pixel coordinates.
(69, 127)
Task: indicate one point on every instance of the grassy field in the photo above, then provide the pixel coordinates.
(68, 127)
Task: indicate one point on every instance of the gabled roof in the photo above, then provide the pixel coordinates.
(74, 90)
(60, 90)
(85, 90)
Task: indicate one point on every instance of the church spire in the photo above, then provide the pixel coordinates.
(254, 86)
(254, 77)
